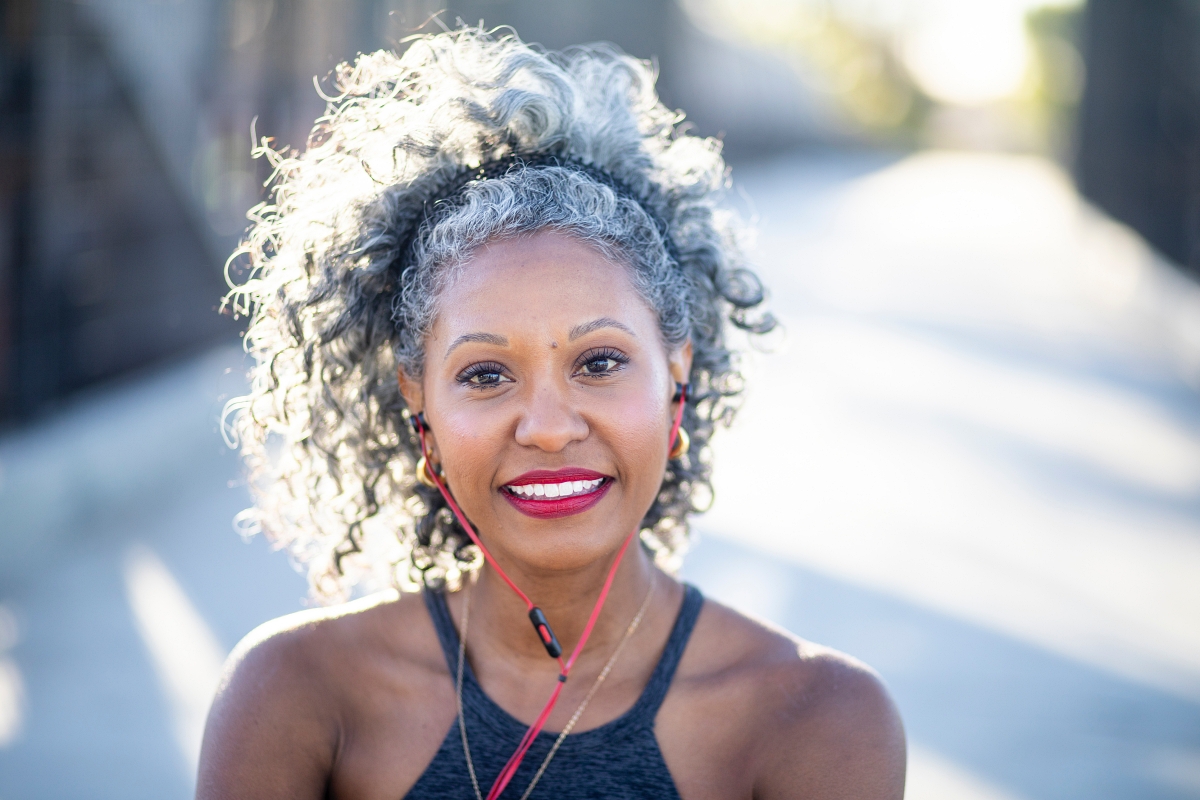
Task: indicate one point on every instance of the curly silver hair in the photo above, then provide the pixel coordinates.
(345, 265)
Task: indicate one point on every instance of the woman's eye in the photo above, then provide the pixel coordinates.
(483, 375)
(602, 364)
(599, 365)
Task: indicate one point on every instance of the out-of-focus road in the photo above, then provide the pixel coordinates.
(973, 461)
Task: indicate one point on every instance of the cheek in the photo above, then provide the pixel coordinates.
(470, 443)
(638, 436)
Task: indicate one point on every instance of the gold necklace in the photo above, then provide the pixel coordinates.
(462, 724)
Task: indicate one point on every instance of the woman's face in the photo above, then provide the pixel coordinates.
(548, 391)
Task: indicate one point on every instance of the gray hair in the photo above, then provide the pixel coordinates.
(346, 264)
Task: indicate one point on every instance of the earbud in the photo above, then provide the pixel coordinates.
(680, 441)
(418, 423)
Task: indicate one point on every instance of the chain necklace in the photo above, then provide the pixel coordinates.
(462, 724)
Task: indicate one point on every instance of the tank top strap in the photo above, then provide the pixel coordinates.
(443, 623)
(652, 697)
(646, 708)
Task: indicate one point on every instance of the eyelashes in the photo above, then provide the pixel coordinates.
(598, 362)
(482, 375)
(609, 359)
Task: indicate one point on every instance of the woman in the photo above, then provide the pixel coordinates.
(488, 309)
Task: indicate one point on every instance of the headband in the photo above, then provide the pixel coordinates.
(450, 192)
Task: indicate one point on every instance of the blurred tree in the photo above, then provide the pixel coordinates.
(1058, 78)
(841, 50)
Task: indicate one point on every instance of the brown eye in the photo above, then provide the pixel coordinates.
(599, 366)
(601, 362)
(482, 376)
(485, 378)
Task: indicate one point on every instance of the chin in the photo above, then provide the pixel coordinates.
(565, 550)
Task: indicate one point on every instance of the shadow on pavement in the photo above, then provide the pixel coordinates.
(1029, 721)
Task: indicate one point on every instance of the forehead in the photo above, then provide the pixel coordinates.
(541, 284)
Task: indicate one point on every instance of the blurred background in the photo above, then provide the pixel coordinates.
(971, 459)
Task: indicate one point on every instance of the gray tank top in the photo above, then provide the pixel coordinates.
(617, 761)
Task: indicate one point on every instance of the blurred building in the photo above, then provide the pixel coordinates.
(125, 137)
(105, 259)
(1139, 126)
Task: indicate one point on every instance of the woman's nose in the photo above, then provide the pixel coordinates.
(549, 422)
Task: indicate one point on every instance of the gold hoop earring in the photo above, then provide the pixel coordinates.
(683, 443)
(425, 475)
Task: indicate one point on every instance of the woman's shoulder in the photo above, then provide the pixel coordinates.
(297, 688)
(313, 643)
(741, 648)
(813, 712)
(313, 665)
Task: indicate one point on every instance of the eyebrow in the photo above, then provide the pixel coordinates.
(595, 325)
(485, 338)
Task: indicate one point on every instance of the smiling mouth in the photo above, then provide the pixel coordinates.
(563, 493)
(549, 491)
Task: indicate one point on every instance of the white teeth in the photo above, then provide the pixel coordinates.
(565, 489)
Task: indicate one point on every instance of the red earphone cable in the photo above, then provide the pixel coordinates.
(514, 761)
(466, 526)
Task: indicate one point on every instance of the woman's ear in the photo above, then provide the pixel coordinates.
(681, 362)
(411, 390)
(414, 399)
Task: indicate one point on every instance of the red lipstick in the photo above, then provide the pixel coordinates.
(548, 494)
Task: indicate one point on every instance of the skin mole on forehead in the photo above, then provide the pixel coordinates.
(554, 345)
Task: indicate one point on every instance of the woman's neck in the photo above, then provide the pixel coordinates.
(500, 619)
